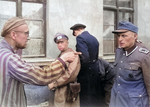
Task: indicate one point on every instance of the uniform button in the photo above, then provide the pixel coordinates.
(119, 68)
(118, 76)
(90, 75)
(124, 54)
(140, 95)
(118, 84)
(94, 60)
(121, 61)
(118, 92)
(89, 68)
(131, 75)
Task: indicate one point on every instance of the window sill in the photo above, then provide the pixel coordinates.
(47, 61)
(39, 61)
(109, 58)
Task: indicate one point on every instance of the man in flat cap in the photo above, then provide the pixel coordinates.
(61, 85)
(132, 67)
(92, 93)
(14, 71)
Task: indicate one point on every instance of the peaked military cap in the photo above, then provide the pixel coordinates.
(60, 36)
(125, 26)
(76, 26)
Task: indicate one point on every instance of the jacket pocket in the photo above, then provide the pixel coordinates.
(138, 100)
(132, 72)
(131, 67)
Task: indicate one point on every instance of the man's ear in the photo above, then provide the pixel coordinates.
(135, 35)
(13, 35)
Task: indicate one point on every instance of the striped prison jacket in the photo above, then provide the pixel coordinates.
(14, 72)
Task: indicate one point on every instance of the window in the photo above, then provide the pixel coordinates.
(113, 12)
(34, 11)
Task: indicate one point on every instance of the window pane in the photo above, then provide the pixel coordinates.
(34, 47)
(108, 27)
(108, 23)
(7, 10)
(35, 29)
(110, 2)
(34, 14)
(32, 10)
(125, 16)
(125, 3)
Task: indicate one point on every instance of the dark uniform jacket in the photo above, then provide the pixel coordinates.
(91, 86)
(132, 84)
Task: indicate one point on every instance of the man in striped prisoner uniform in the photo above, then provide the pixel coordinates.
(14, 71)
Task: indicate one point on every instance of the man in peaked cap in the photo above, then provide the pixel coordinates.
(125, 26)
(60, 85)
(132, 67)
(14, 71)
(92, 92)
(60, 36)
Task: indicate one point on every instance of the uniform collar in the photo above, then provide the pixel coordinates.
(85, 32)
(131, 50)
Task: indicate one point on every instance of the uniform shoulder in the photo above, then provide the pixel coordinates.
(67, 50)
(80, 36)
(118, 49)
(143, 50)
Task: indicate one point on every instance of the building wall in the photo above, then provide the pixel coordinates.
(62, 14)
(142, 20)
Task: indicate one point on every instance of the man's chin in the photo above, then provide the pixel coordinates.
(61, 49)
(21, 47)
(122, 46)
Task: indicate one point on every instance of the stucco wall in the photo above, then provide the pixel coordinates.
(142, 17)
(62, 14)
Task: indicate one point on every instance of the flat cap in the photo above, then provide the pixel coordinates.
(76, 26)
(125, 26)
(60, 36)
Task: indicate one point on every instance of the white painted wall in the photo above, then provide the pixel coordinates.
(142, 20)
(62, 14)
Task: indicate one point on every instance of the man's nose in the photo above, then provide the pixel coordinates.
(59, 44)
(120, 38)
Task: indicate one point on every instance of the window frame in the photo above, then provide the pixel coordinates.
(116, 9)
(19, 13)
